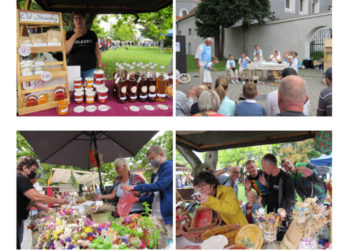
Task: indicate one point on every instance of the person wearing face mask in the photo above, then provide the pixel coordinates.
(124, 177)
(219, 198)
(161, 187)
(26, 170)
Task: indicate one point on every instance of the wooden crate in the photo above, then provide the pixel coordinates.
(57, 72)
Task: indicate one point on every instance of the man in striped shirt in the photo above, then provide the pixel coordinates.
(325, 99)
(254, 179)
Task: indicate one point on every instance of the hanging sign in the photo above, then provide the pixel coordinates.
(30, 16)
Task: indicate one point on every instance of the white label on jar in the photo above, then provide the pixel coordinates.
(143, 96)
(123, 89)
(122, 98)
(46, 76)
(128, 76)
(54, 44)
(38, 72)
(102, 97)
(117, 80)
(161, 95)
(78, 99)
(39, 44)
(166, 77)
(133, 89)
(64, 110)
(152, 88)
(151, 95)
(27, 74)
(24, 50)
(59, 90)
(99, 79)
(133, 97)
(144, 89)
(90, 99)
(157, 74)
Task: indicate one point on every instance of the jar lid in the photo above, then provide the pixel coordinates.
(99, 71)
(89, 78)
(102, 89)
(90, 92)
(78, 79)
(78, 92)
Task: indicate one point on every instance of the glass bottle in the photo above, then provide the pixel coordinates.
(122, 86)
(161, 85)
(132, 85)
(152, 85)
(143, 85)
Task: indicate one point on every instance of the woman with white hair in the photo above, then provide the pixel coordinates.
(125, 177)
(209, 104)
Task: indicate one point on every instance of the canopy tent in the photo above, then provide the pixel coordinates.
(73, 148)
(104, 6)
(323, 160)
(203, 141)
(169, 33)
(82, 177)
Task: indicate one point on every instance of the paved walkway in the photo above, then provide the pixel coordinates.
(313, 77)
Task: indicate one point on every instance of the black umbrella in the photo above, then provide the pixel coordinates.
(72, 148)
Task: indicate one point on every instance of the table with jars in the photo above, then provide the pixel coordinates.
(137, 89)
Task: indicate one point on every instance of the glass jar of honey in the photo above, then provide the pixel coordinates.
(31, 100)
(62, 107)
(43, 98)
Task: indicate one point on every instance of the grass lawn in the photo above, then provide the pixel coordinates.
(135, 54)
(191, 64)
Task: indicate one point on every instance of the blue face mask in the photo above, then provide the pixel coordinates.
(155, 163)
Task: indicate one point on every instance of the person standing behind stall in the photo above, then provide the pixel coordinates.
(26, 170)
(161, 187)
(82, 46)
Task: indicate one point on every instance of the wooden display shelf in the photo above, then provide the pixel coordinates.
(40, 18)
(27, 110)
(51, 87)
(43, 49)
(55, 74)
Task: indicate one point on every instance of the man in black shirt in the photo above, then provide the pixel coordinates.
(26, 169)
(82, 47)
(281, 188)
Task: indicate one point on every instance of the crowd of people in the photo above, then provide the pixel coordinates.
(291, 98)
(271, 188)
(158, 193)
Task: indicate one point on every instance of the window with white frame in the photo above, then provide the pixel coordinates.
(303, 7)
(315, 6)
(289, 6)
(183, 12)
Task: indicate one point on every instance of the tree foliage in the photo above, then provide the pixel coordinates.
(213, 16)
(124, 29)
(139, 161)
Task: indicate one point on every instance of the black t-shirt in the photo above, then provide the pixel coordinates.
(83, 51)
(23, 185)
(194, 108)
(272, 204)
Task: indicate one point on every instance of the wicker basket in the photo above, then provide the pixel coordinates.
(230, 231)
(195, 234)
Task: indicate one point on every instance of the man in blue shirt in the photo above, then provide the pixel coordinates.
(161, 187)
(230, 180)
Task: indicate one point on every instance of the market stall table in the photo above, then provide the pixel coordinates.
(115, 108)
(264, 66)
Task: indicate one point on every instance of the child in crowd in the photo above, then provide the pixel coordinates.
(199, 90)
(243, 63)
(231, 69)
(251, 206)
(227, 106)
(249, 107)
(207, 80)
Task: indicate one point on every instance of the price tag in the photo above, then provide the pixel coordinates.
(46, 76)
(24, 50)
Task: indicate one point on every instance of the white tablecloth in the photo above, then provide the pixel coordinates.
(267, 66)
